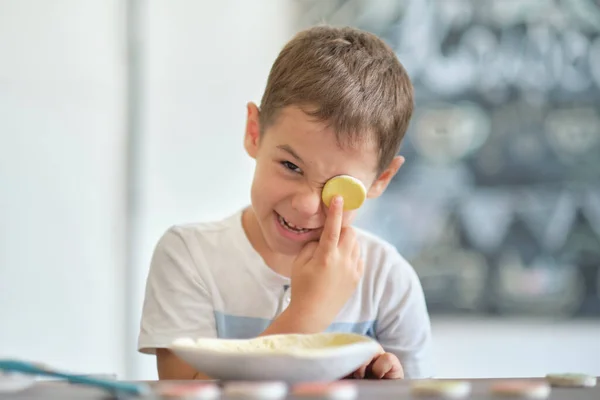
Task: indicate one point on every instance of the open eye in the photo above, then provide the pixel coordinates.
(291, 166)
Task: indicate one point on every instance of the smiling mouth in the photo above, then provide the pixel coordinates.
(291, 227)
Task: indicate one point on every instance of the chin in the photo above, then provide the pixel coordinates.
(280, 247)
(286, 250)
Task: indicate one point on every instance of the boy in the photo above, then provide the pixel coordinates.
(337, 102)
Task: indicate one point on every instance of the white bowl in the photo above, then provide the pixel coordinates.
(292, 358)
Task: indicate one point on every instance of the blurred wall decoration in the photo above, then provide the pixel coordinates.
(498, 205)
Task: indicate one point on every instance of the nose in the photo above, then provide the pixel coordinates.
(307, 201)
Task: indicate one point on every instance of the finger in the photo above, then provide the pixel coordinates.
(355, 252)
(397, 372)
(360, 373)
(306, 253)
(382, 365)
(333, 225)
(347, 240)
(349, 376)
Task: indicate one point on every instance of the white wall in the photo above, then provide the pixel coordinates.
(205, 61)
(61, 188)
(515, 347)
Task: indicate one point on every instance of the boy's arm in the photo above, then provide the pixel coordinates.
(290, 321)
(172, 367)
(176, 304)
(403, 327)
(324, 276)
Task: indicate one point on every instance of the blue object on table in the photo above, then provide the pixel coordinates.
(30, 368)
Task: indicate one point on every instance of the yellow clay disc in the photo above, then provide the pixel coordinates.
(571, 380)
(439, 388)
(350, 188)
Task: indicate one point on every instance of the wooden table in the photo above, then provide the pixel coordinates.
(368, 390)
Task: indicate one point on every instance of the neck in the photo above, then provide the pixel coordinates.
(280, 263)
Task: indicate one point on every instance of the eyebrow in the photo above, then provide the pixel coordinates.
(290, 151)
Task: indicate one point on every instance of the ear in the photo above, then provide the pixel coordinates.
(381, 183)
(252, 135)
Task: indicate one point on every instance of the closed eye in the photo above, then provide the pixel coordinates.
(291, 166)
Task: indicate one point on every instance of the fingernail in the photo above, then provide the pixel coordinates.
(337, 200)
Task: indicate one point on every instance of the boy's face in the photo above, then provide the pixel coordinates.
(295, 157)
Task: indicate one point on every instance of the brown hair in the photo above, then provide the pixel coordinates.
(349, 79)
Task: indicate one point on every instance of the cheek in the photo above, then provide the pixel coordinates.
(269, 186)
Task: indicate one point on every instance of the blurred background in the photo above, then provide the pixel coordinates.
(119, 119)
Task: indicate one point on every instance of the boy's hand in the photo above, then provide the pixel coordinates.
(325, 274)
(382, 366)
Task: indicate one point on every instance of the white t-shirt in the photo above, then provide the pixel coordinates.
(206, 280)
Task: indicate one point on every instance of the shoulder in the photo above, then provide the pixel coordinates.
(380, 254)
(201, 235)
(196, 249)
(386, 271)
(375, 244)
(199, 230)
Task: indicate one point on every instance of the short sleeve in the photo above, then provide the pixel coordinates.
(177, 302)
(403, 325)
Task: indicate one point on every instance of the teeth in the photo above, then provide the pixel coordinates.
(290, 227)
